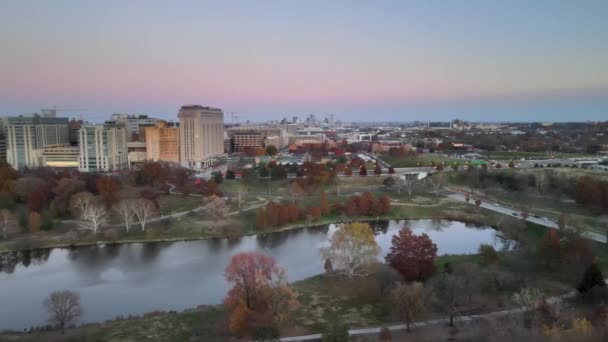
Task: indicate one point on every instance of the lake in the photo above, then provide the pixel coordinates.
(136, 278)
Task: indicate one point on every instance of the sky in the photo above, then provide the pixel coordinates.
(509, 60)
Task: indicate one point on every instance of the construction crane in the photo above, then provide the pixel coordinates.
(234, 118)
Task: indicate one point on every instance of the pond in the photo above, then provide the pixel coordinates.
(136, 278)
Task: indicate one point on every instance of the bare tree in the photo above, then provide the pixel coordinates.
(408, 180)
(409, 301)
(63, 308)
(90, 210)
(216, 207)
(5, 217)
(144, 210)
(124, 208)
(437, 180)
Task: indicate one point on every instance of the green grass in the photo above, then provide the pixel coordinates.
(422, 160)
(178, 203)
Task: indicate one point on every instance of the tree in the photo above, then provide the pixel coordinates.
(329, 267)
(46, 221)
(230, 174)
(278, 172)
(409, 180)
(385, 335)
(324, 204)
(408, 300)
(591, 278)
(511, 164)
(447, 287)
(63, 308)
(362, 171)
(34, 221)
(124, 209)
(391, 170)
(550, 250)
(271, 150)
(260, 219)
(477, 203)
(352, 246)
(389, 182)
(437, 180)
(66, 187)
(218, 178)
(216, 207)
(263, 171)
(377, 170)
(335, 331)
(89, 209)
(412, 255)
(5, 217)
(143, 209)
(259, 289)
(108, 190)
(348, 171)
(488, 254)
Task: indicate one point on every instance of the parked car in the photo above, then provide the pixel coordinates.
(515, 214)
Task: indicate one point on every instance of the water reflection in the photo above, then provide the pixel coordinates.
(135, 278)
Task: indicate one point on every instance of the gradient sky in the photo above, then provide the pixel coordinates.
(361, 60)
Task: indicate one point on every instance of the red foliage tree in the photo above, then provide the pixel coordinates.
(272, 214)
(324, 204)
(362, 171)
(293, 212)
(391, 170)
(108, 188)
(37, 199)
(412, 255)
(314, 213)
(550, 250)
(283, 215)
(348, 171)
(245, 271)
(377, 170)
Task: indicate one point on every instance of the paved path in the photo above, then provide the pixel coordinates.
(510, 212)
(444, 321)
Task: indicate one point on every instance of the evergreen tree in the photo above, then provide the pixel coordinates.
(591, 278)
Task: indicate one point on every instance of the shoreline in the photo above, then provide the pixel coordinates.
(464, 219)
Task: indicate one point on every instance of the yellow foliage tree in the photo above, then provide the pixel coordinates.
(352, 246)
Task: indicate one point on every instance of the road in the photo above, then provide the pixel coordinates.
(509, 211)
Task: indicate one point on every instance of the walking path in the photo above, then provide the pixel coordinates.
(463, 318)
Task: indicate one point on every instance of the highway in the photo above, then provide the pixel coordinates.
(509, 211)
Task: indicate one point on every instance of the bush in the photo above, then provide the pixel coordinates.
(488, 254)
(335, 331)
(265, 334)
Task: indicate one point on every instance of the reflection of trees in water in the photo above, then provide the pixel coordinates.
(272, 240)
(320, 229)
(9, 261)
(88, 259)
(474, 225)
(151, 251)
(111, 250)
(439, 225)
(380, 226)
(234, 241)
(215, 245)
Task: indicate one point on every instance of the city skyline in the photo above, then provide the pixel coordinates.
(393, 61)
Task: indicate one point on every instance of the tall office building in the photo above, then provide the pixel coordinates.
(201, 135)
(28, 135)
(132, 124)
(103, 148)
(162, 142)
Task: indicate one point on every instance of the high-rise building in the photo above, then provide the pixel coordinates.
(132, 123)
(201, 135)
(74, 128)
(162, 142)
(28, 135)
(103, 148)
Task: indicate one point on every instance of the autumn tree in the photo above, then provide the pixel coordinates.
(293, 212)
(90, 210)
(412, 255)
(5, 217)
(377, 170)
(391, 170)
(348, 171)
(108, 189)
(218, 177)
(230, 174)
(64, 189)
(362, 170)
(314, 213)
(324, 204)
(352, 247)
(63, 308)
(448, 288)
(35, 222)
(328, 266)
(216, 208)
(271, 150)
(408, 300)
(259, 289)
(260, 218)
(550, 249)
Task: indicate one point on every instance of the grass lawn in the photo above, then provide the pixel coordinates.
(178, 203)
(421, 160)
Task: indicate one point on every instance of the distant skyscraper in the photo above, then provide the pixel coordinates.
(28, 135)
(103, 148)
(201, 135)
